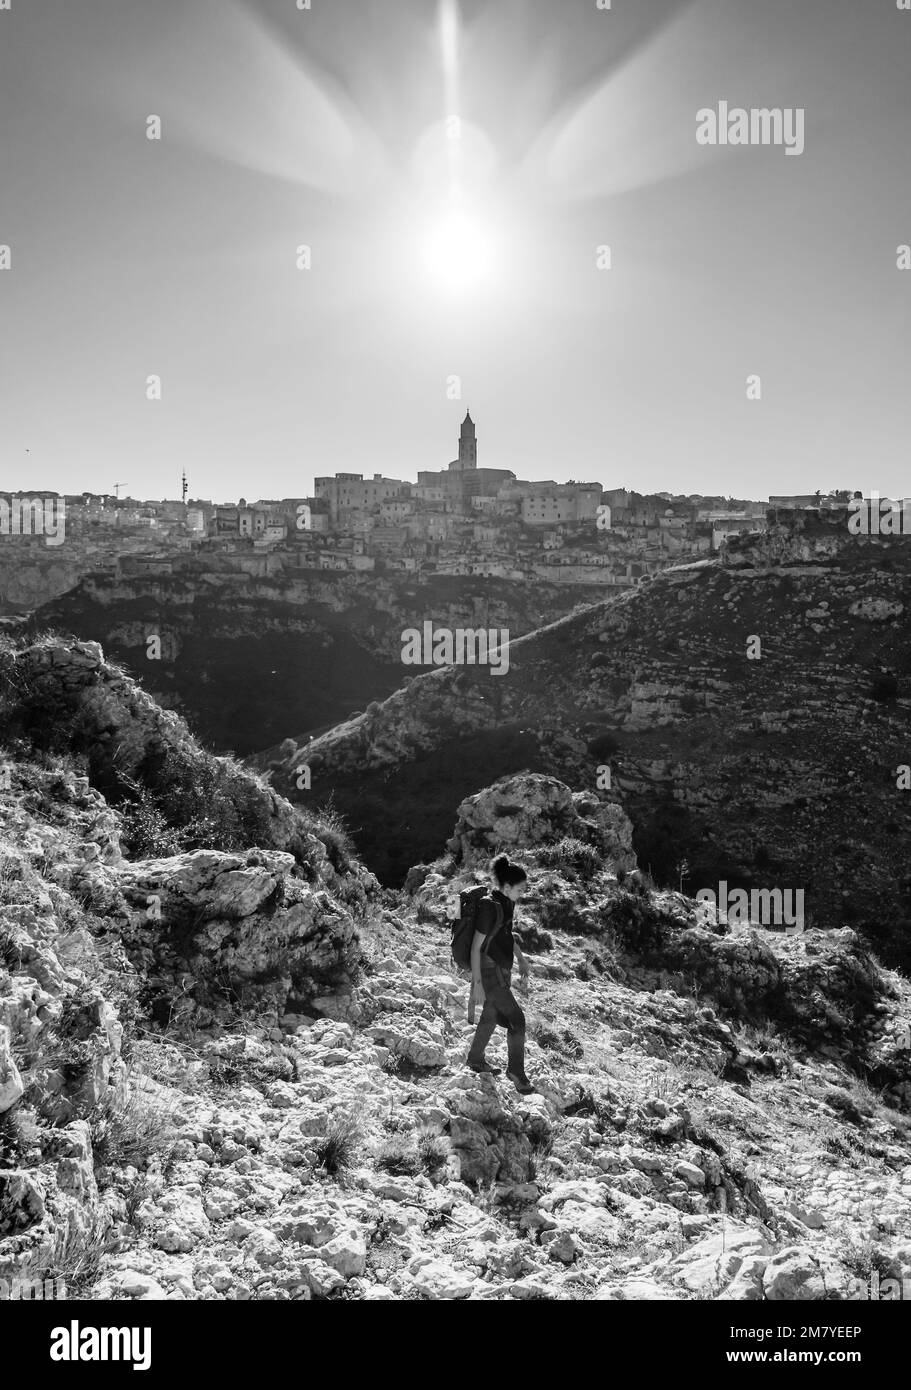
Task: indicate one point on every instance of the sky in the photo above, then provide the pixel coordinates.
(453, 171)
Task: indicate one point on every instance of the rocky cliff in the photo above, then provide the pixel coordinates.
(237, 1073)
(252, 656)
(751, 712)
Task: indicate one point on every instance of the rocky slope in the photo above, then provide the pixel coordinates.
(776, 770)
(236, 1073)
(253, 657)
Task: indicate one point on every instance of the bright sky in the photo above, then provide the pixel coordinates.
(441, 250)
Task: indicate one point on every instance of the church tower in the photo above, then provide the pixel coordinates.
(468, 444)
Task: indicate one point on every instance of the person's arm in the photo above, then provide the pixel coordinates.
(477, 943)
(483, 925)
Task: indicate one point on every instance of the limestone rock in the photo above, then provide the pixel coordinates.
(529, 809)
(11, 1087)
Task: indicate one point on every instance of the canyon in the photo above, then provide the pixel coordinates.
(253, 657)
(776, 772)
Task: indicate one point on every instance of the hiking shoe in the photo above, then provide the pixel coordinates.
(521, 1083)
(484, 1068)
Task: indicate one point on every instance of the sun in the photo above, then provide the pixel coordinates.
(457, 251)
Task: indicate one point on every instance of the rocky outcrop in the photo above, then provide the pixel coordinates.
(64, 697)
(525, 811)
(90, 938)
(246, 918)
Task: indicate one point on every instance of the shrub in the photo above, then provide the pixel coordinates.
(399, 1155)
(544, 1035)
(534, 939)
(339, 1147)
(561, 913)
(634, 923)
(570, 853)
(145, 834)
(433, 1152)
(131, 1132)
(330, 827)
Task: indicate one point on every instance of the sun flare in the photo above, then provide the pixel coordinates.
(457, 251)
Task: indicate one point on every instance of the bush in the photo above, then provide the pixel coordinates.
(330, 827)
(399, 1156)
(570, 853)
(561, 913)
(145, 834)
(130, 1133)
(339, 1147)
(634, 922)
(433, 1152)
(534, 939)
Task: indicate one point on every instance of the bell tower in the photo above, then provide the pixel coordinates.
(468, 444)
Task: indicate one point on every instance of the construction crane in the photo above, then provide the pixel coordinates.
(117, 487)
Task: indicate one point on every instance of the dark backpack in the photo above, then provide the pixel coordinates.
(463, 928)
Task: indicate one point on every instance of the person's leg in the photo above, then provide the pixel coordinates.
(508, 1013)
(483, 1033)
(515, 1035)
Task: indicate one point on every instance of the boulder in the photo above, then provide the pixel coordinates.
(529, 809)
(205, 917)
(710, 1264)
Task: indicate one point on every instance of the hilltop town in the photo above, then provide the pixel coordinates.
(463, 519)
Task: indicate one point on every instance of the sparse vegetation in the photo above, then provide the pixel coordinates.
(399, 1154)
(339, 1148)
(571, 855)
(133, 1132)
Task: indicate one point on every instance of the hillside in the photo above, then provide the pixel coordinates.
(235, 1072)
(320, 644)
(760, 772)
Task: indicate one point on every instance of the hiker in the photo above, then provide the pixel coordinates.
(491, 972)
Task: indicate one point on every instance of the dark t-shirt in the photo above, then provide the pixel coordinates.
(500, 951)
